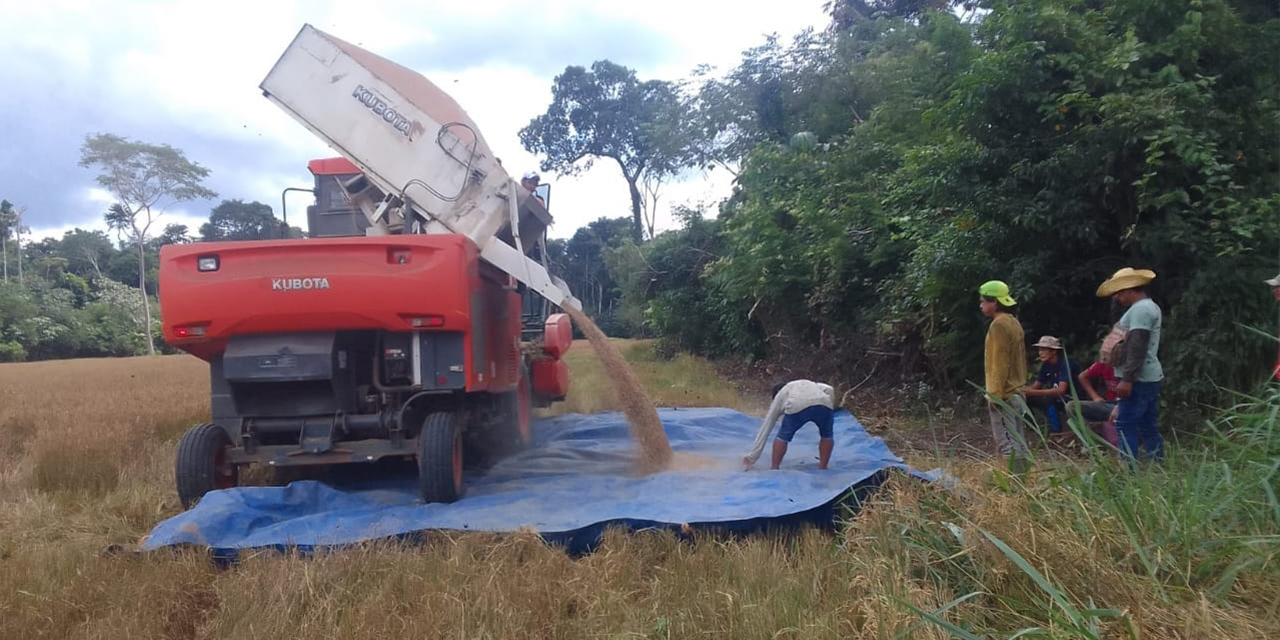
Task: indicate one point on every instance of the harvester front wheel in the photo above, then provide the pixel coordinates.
(440, 458)
(202, 464)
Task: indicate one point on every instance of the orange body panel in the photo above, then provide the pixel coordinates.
(550, 378)
(332, 167)
(349, 283)
(557, 335)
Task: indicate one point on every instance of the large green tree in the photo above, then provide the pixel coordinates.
(580, 261)
(1087, 137)
(11, 225)
(240, 220)
(87, 252)
(606, 112)
(1047, 144)
(8, 222)
(145, 179)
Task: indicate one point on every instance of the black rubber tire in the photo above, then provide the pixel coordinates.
(440, 458)
(201, 465)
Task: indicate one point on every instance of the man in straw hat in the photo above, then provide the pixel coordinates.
(1139, 369)
(1005, 359)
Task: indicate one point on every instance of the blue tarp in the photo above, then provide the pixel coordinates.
(573, 482)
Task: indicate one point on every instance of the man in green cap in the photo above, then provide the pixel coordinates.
(1006, 373)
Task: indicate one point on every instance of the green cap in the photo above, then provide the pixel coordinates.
(998, 290)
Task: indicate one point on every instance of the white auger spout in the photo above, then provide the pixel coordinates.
(426, 168)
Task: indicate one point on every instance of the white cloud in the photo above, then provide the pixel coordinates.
(99, 196)
(186, 72)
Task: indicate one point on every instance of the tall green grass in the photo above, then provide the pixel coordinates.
(1200, 529)
(1207, 515)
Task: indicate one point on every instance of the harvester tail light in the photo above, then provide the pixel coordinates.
(194, 331)
(207, 263)
(425, 321)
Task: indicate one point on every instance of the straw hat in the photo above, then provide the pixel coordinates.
(1048, 342)
(1126, 278)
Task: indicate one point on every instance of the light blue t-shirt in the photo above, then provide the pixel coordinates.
(1145, 314)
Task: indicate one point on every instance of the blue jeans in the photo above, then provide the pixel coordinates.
(1136, 422)
(822, 417)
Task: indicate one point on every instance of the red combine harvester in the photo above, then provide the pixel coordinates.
(394, 331)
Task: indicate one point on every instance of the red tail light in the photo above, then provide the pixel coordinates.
(194, 331)
(424, 321)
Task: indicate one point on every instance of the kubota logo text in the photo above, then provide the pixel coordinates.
(380, 108)
(294, 284)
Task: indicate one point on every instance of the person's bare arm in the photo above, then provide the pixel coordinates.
(766, 426)
(1086, 383)
(1036, 391)
(1135, 355)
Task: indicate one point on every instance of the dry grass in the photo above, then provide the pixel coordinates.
(86, 451)
(683, 381)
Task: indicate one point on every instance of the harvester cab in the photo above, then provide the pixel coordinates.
(395, 330)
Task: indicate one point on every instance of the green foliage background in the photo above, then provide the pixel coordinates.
(78, 297)
(885, 166)
(1042, 142)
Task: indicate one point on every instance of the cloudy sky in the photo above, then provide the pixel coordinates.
(186, 73)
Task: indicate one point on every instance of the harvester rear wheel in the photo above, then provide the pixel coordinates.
(440, 458)
(202, 464)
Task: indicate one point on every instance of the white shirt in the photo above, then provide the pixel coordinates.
(793, 398)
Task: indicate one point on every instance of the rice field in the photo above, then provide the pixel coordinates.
(1076, 549)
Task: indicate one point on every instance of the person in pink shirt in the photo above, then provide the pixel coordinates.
(1100, 407)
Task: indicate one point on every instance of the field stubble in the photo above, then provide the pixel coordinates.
(86, 454)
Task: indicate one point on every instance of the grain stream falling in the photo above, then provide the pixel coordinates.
(646, 427)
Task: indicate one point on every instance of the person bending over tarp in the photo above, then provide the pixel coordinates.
(799, 402)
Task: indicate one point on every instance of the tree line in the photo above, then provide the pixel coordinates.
(889, 163)
(883, 167)
(93, 293)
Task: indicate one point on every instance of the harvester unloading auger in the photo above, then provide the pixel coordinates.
(426, 168)
(395, 330)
